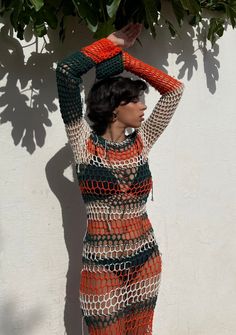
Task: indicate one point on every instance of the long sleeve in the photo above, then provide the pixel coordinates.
(171, 91)
(68, 75)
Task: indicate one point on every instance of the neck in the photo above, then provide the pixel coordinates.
(114, 134)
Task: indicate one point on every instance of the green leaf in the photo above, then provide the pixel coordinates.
(38, 4)
(50, 17)
(112, 8)
(40, 29)
(216, 28)
(172, 29)
(62, 31)
(68, 8)
(104, 16)
(86, 12)
(24, 17)
(93, 27)
(178, 10)
(92, 18)
(15, 14)
(54, 3)
(152, 15)
(82, 8)
(195, 20)
(230, 10)
(104, 29)
(193, 6)
(20, 32)
(151, 10)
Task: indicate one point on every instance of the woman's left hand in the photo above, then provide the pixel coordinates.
(126, 36)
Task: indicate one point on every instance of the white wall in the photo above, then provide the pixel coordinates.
(193, 213)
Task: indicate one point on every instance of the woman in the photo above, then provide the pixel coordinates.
(121, 261)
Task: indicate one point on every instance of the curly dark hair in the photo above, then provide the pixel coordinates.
(107, 94)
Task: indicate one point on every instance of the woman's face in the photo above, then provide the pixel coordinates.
(132, 113)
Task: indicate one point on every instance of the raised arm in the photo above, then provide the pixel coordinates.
(171, 91)
(68, 74)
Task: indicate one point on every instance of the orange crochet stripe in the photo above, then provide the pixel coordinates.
(113, 155)
(129, 228)
(157, 78)
(121, 260)
(133, 191)
(101, 50)
(98, 283)
(103, 282)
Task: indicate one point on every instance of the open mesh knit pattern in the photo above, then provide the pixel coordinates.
(121, 260)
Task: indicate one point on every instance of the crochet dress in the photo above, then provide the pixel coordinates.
(121, 260)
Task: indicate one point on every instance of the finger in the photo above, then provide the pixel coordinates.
(126, 28)
(139, 26)
(133, 33)
(132, 29)
(137, 29)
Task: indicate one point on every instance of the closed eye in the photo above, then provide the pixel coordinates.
(135, 100)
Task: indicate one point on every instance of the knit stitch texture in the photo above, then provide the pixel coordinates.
(122, 264)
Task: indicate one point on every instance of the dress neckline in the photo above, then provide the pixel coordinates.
(104, 141)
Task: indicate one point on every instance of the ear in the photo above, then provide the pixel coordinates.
(114, 115)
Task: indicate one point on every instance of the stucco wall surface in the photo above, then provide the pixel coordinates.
(43, 219)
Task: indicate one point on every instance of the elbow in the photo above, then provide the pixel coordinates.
(67, 73)
(180, 88)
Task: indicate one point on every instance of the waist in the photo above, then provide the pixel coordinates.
(116, 248)
(120, 229)
(106, 212)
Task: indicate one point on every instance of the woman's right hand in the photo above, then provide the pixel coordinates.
(125, 37)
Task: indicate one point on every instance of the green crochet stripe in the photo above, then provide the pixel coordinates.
(68, 74)
(110, 67)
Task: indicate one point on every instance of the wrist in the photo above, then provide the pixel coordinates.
(101, 49)
(113, 40)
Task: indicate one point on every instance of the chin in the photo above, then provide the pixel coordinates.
(134, 126)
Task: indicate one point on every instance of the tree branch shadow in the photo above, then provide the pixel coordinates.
(29, 114)
(185, 47)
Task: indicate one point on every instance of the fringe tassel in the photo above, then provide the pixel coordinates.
(109, 226)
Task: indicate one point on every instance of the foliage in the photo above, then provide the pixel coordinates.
(103, 16)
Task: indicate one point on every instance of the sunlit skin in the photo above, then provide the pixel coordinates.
(128, 115)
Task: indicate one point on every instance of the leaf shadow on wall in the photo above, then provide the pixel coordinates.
(27, 100)
(28, 97)
(29, 115)
(185, 48)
